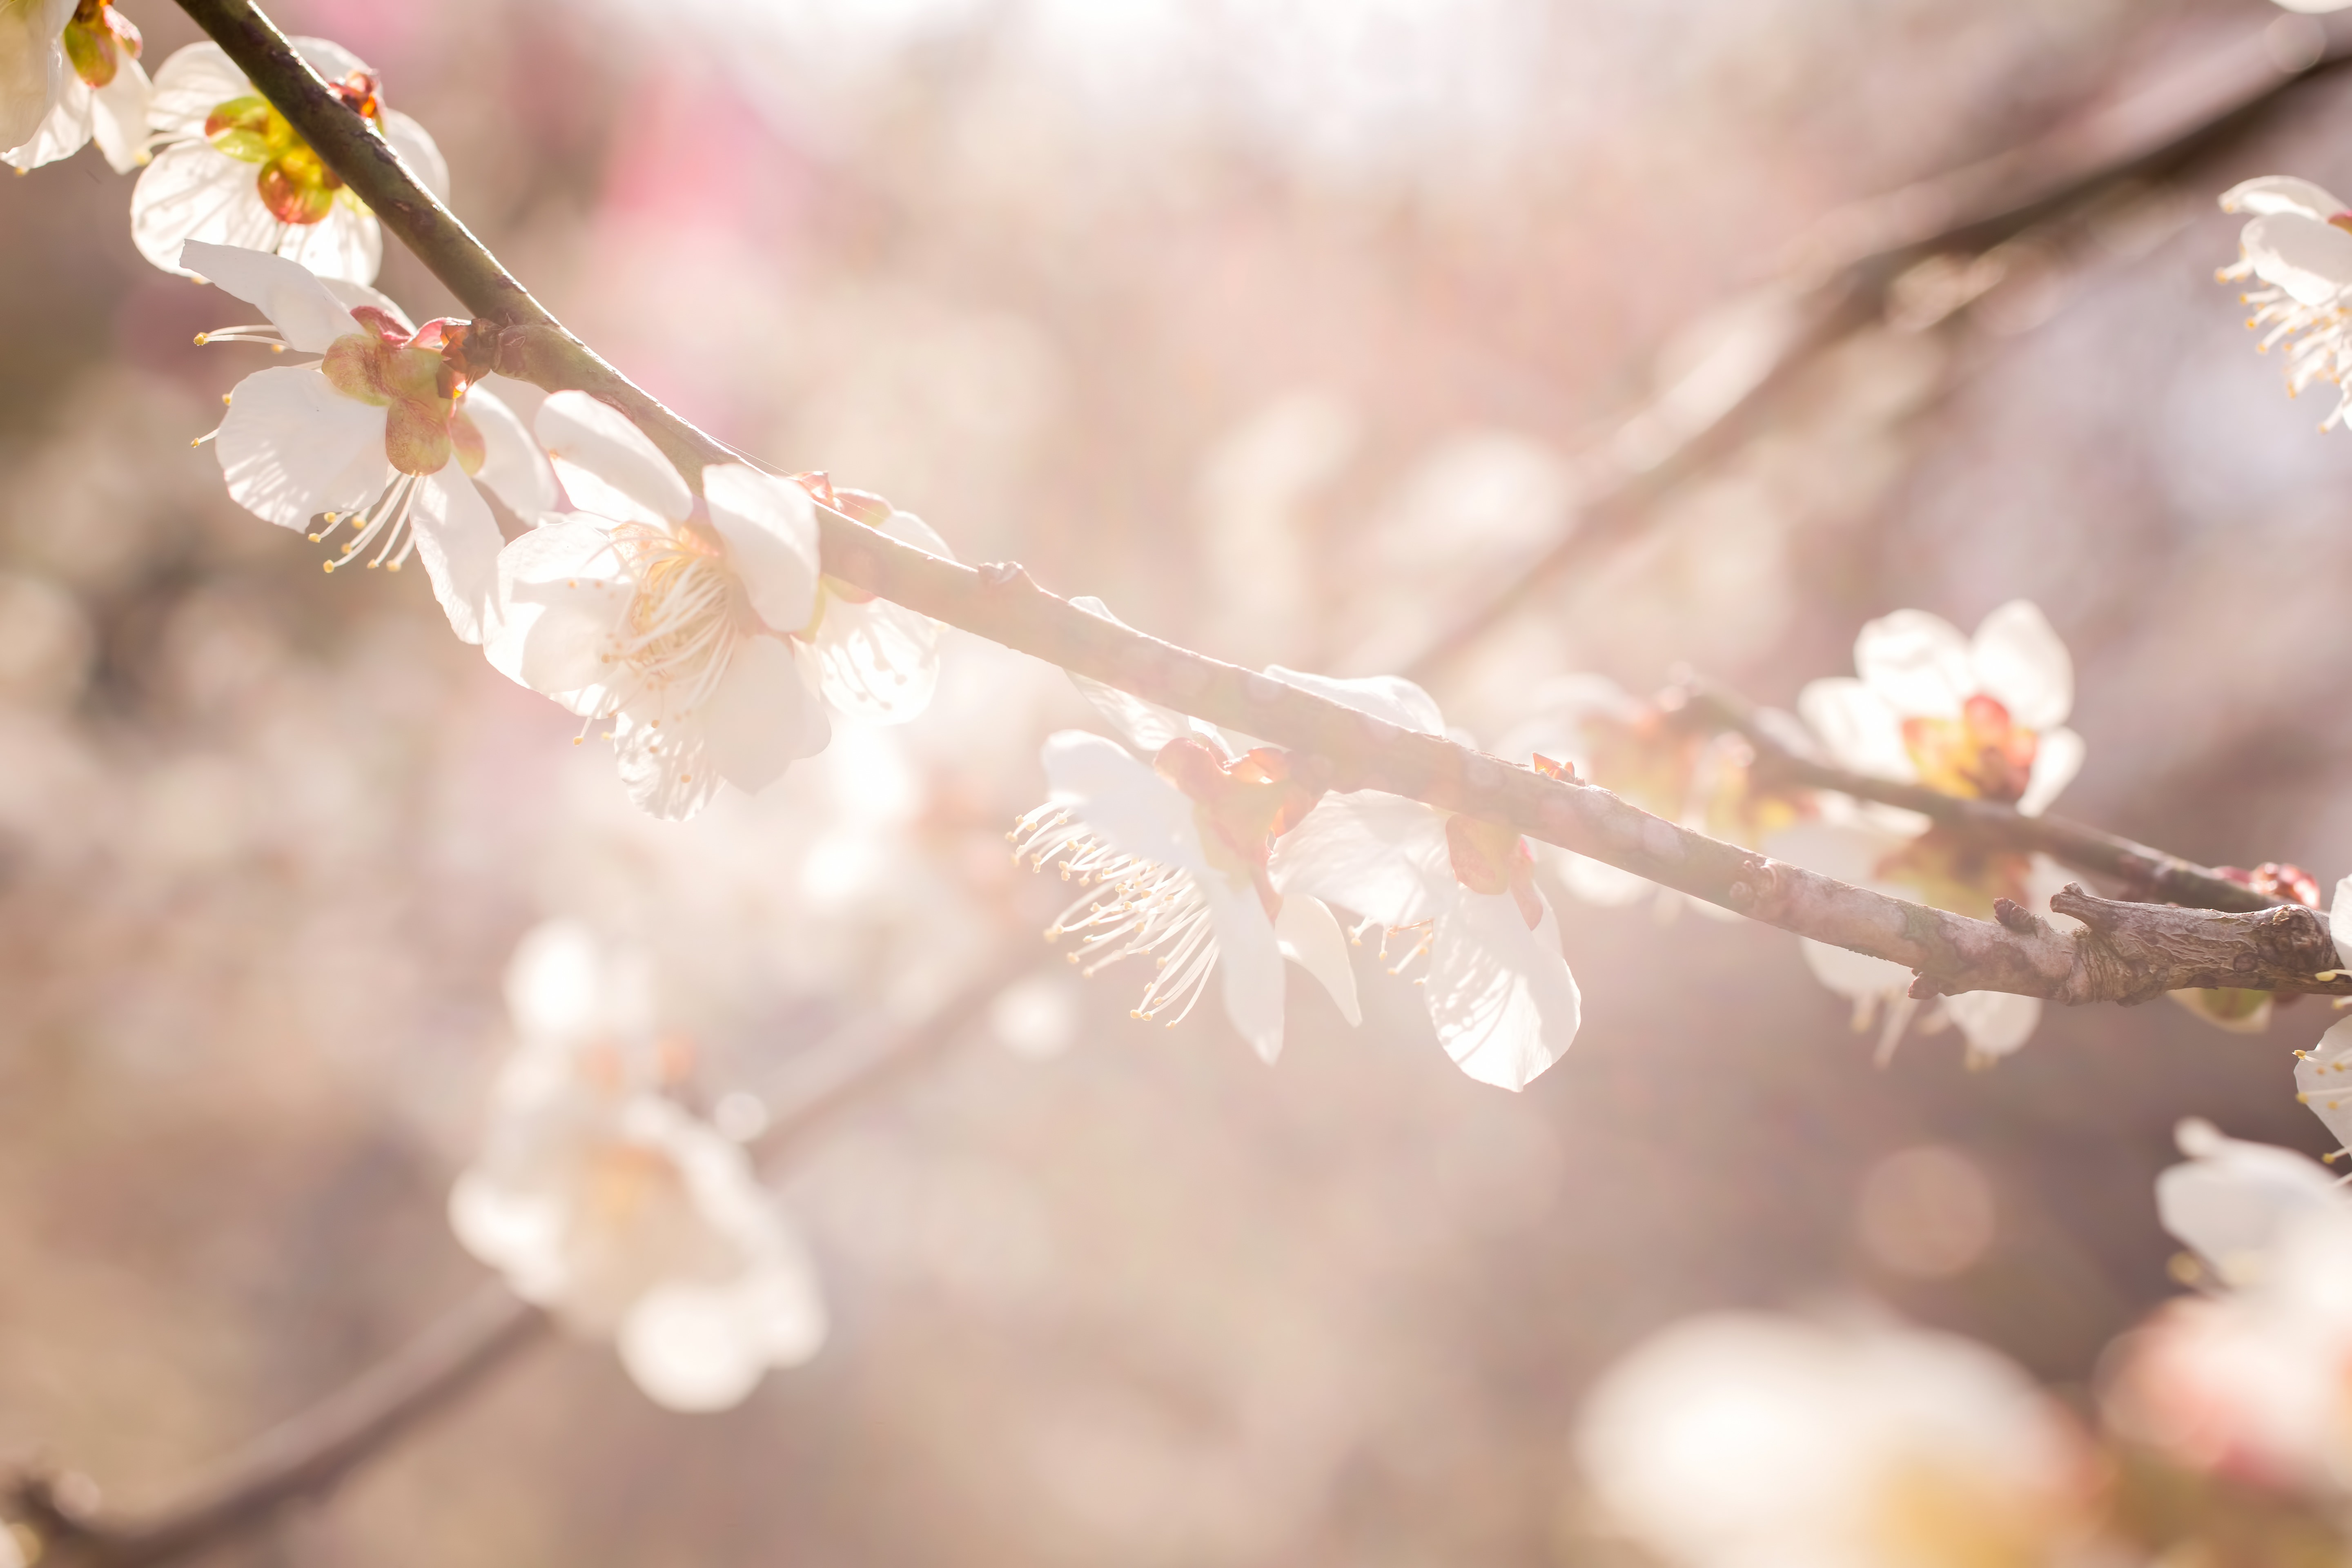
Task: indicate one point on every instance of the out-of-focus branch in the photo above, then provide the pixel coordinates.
(2118, 957)
(2139, 872)
(1837, 279)
(308, 1455)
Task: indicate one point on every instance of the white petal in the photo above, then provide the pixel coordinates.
(65, 131)
(1387, 696)
(762, 718)
(2020, 659)
(1856, 726)
(561, 591)
(770, 527)
(513, 467)
(1501, 996)
(1919, 663)
(1854, 974)
(877, 662)
(2282, 193)
(663, 764)
(418, 151)
(1849, 851)
(197, 79)
(1146, 724)
(2339, 921)
(1380, 855)
(696, 1347)
(457, 544)
(351, 296)
(193, 191)
(117, 119)
(1994, 1023)
(2235, 1199)
(292, 447)
(515, 1231)
(1599, 882)
(608, 466)
(32, 65)
(302, 309)
(328, 58)
(2310, 259)
(2057, 758)
(1311, 938)
(1249, 961)
(1127, 804)
(2324, 1081)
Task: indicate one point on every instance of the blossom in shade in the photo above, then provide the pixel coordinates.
(602, 1199)
(229, 170)
(2296, 249)
(1172, 855)
(69, 73)
(377, 446)
(1454, 890)
(671, 616)
(1748, 1440)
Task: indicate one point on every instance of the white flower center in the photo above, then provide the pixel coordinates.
(680, 628)
(1151, 908)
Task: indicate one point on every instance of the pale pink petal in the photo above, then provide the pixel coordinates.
(1856, 726)
(2312, 260)
(347, 243)
(2234, 1200)
(1855, 975)
(1126, 804)
(2020, 660)
(118, 120)
(1249, 961)
(2057, 758)
(1919, 663)
(513, 467)
(1310, 937)
(1387, 696)
(2324, 1081)
(64, 131)
(302, 308)
(663, 764)
(770, 527)
(561, 592)
(608, 466)
(291, 446)
(1994, 1023)
(1501, 996)
(457, 544)
(1599, 882)
(761, 717)
(32, 65)
(2270, 193)
(1379, 855)
(1848, 850)
(877, 662)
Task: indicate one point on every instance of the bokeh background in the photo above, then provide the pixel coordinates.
(1286, 329)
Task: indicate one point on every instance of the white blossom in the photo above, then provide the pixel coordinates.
(671, 619)
(2297, 247)
(1745, 1440)
(602, 1199)
(229, 170)
(383, 437)
(1460, 891)
(70, 72)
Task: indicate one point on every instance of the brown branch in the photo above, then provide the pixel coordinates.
(1838, 277)
(308, 1455)
(1340, 747)
(2138, 871)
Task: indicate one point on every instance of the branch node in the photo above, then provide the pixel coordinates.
(1003, 575)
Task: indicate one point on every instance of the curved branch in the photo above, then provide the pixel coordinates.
(1340, 747)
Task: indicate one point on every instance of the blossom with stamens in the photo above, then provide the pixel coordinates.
(874, 661)
(1462, 892)
(1172, 857)
(602, 1199)
(384, 436)
(1981, 718)
(2297, 245)
(229, 170)
(670, 618)
(70, 72)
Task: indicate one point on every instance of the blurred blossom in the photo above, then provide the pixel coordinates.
(45, 643)
(1256, 486)
(1745, 1440)
(1035, 1016)
(1925, 1211)
(2293, 246)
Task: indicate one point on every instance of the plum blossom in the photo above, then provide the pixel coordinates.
(2254, 1379)
(229, 170)
(1981, 718)
(1461, 891)
(874, 661)
(1173, 855)
(383, 437)
(672, 618)
(603, 1199)
(2297, 247)
(1748, 1440)
(70, 72)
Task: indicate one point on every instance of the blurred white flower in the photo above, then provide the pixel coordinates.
(69, 71)
(229, 170)
(1174, 854)
(2255, 1380)
(384, 436)
(608, 1203)
(668, 619)
(1497, 988)
(2295, 244)
(1745, 1440)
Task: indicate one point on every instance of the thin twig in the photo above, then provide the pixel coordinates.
(1340, 748)
(2140, 872)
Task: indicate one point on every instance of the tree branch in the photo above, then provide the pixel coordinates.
(1340, 747)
